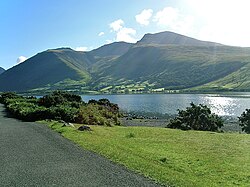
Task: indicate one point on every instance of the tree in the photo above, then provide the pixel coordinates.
(244, 120)
(196, 117)
(107, 104)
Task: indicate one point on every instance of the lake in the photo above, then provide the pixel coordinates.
(223, 104)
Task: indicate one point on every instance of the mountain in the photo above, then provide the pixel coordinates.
(171, 38)
(113, 49)
(48, 67)
(2, 70)
(158, 61)
(177, 67)
(58, 68)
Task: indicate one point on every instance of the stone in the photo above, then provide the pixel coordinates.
(84, 128)
(65, 124)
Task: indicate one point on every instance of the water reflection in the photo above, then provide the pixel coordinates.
(223, 105)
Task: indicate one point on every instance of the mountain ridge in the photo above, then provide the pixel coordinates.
(112, 49)
(166, 61)
(171, 38)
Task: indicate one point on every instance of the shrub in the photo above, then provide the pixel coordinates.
(8, 95)
(24, 110)
(64, 106)
(196, 117)
(244, 120)
(59, 98)
(62, 112)
(107, 104)
(93, 114)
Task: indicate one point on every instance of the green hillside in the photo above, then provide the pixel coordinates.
(158, 62)
(171, 61)
(46, 68)
(238, 80)
(177, 67)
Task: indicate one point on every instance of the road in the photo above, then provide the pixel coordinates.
(33, 155)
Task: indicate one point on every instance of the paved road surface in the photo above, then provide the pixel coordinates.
(33, 155)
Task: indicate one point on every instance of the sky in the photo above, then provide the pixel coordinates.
(28, 27)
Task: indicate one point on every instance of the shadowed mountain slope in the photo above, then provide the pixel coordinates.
(45, 68)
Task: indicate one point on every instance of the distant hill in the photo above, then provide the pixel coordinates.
(161, 61)
(2, 70)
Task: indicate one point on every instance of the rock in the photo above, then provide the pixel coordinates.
(65, 124)
(84, 128)
(72, 125)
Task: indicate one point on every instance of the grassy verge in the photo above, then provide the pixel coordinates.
(173, 157)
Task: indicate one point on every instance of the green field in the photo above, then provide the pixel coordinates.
(171, 157)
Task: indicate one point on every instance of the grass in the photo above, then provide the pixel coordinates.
(171, 157)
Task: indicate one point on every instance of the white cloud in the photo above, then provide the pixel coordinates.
(126, 35)
(20, 59)
(116, 25)
(123, 33)
(81, 49)
(167, 17)
(101, 34)
(144, 16)
(221, 21)
(171, 19)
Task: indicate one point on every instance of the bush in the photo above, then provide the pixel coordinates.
(62, 106)
(93, 114)
(196, 117)
(107, 104)
(8, 95)
(59, 98)
(62, 112)
(244, 120)
(25, 110)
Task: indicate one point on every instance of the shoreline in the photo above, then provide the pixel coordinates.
(91, 93)
(230, 124)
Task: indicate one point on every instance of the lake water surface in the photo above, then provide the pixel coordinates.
(227, 104)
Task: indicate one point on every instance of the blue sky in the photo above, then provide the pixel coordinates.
(32, 26)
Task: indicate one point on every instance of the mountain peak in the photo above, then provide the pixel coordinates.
(171, 38)
(60, 49)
